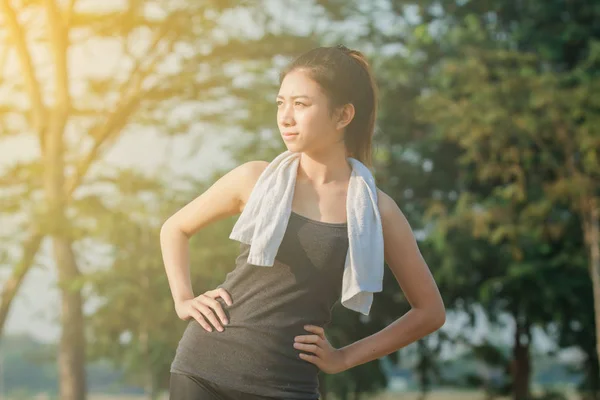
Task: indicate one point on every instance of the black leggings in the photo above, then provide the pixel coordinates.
(184, 387)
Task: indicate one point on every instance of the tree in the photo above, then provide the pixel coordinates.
(502, 36)
(537, 152)
(556, 46)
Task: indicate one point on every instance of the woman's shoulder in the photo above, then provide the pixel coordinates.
(386, 204)
(251, 171)
(392, 217)
(254, 168)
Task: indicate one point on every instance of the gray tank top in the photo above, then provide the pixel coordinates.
(271, 305)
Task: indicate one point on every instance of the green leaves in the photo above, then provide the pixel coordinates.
(503, 110)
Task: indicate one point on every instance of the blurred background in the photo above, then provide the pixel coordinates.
(115, 113)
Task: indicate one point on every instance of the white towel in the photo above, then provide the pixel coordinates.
(264, 220)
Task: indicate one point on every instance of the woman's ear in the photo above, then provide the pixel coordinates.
(345, 115)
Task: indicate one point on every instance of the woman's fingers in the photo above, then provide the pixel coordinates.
(309, 347)
(226, 296)
(209, 307)
(205, 308)
(317, 330)
(220, 292)
(200, 318)
(309, 339)
(216, 306)
(208, 314)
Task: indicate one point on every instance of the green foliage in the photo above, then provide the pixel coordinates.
(480, 120)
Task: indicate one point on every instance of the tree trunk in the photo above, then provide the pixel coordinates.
(591, 230)
(38, 125)
(592, 373)
(11, 287)
(71, 352)
(71, 357)
(424, 368)
(521, 363)
(150, 385)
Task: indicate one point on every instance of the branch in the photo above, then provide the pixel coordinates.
(30, 248)
(3, 59)
(137, 74)
(31, 82)
(69, 14)
(58, 41)
(114, 123)
(105, 130)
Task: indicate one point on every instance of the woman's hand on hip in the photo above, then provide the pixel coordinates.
(205, 307)
(329, 359)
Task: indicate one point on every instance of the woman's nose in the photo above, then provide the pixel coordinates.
(286, 116)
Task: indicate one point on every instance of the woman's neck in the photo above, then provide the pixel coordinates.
(324, 169)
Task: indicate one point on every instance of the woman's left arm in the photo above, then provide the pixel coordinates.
(404, 258)
(427, 312)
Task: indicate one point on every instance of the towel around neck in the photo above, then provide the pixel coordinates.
(264, 219)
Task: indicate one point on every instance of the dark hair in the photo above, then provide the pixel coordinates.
(345, 77)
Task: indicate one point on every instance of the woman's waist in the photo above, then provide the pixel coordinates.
(266, 332)
(243, 347)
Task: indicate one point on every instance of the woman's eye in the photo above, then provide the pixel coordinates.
(297, 103)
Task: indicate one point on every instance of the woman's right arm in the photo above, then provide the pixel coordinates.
(226, 197)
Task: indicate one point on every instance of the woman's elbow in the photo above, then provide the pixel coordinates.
(434, 316)
(438, 316)
(441, 319)
(170, 228)
(165, 227)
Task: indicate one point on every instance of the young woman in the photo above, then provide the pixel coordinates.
(260, 334)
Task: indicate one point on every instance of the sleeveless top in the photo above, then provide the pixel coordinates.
(255, 353)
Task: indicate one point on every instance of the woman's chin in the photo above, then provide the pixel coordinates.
(293, 147)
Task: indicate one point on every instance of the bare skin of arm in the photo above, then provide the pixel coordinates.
(225, 198)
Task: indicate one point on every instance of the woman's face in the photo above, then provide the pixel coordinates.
(303, 115)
